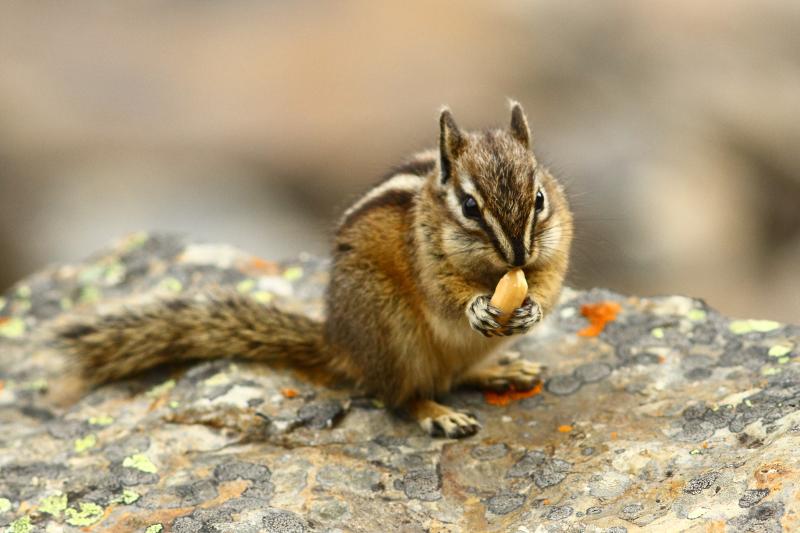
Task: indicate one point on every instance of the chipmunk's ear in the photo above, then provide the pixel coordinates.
(451, 142)
(519, 125)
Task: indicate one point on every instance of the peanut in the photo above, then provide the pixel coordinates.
(510, 293)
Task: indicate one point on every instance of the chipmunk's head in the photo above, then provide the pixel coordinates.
(505, 209)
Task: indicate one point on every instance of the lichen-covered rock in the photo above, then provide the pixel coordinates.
(672, 418)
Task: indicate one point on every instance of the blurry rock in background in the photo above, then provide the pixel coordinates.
(675, 123)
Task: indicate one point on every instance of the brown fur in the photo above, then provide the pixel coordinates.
(406, 266)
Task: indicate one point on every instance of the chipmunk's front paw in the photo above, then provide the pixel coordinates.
(482, 316)
(523, 318)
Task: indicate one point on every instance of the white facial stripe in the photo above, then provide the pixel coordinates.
(497, 229)
(546, 209)
(468, 187)
(453, 204)
(528, 230)
(400, 182)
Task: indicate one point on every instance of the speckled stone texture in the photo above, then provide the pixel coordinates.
(674, 418)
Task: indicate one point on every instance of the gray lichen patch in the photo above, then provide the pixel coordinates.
(422, 484)
(673, 414)
(545, 471)
(505, 503)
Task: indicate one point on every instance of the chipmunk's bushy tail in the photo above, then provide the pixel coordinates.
(112, 346)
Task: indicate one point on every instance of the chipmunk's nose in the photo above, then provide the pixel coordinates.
(520, 255)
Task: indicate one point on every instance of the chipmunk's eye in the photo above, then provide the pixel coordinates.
(470, 208)
(539, 201)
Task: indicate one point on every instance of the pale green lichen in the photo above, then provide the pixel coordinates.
(12, 327)
(90, 295)
(91, 274)
(2, 302)
(5, 505)
(87, 514)
(133, 241)
(101, 420)
(740, 327)
(779, 350)
(161, 389)
(263, 297)
(770, 371)
(174, 404)
(220, 378)
(696, 315)
(54, 504)
(140, 461)
(783, 360)
(155, 528)
(293, 273)
(84, 443)
(65, 303)
(127, 497)
(114, 273)
(658, 333)
(171, 284)
(38, 384)
(246, 285)
(764, 326)
(20, 525)
(24, 292)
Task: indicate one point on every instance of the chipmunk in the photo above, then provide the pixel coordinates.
(415, 262)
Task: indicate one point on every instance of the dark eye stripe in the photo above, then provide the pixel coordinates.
(487, 230)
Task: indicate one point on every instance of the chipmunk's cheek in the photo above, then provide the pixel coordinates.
(535, 255)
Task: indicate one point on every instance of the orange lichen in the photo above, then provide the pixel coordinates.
(614, 435)
(290, 393)
(598, 314)
(256, 266)
(768, 475)
(511, 395)
(566, 428)
(716, 526)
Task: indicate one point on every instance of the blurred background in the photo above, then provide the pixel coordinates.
(675, 123)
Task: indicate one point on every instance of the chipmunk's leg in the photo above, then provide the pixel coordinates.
(502, 374)
(441, 421)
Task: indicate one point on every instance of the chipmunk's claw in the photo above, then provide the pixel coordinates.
(482, 316)
(523, 318)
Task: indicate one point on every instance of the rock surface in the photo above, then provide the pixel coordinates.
(673, 417)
